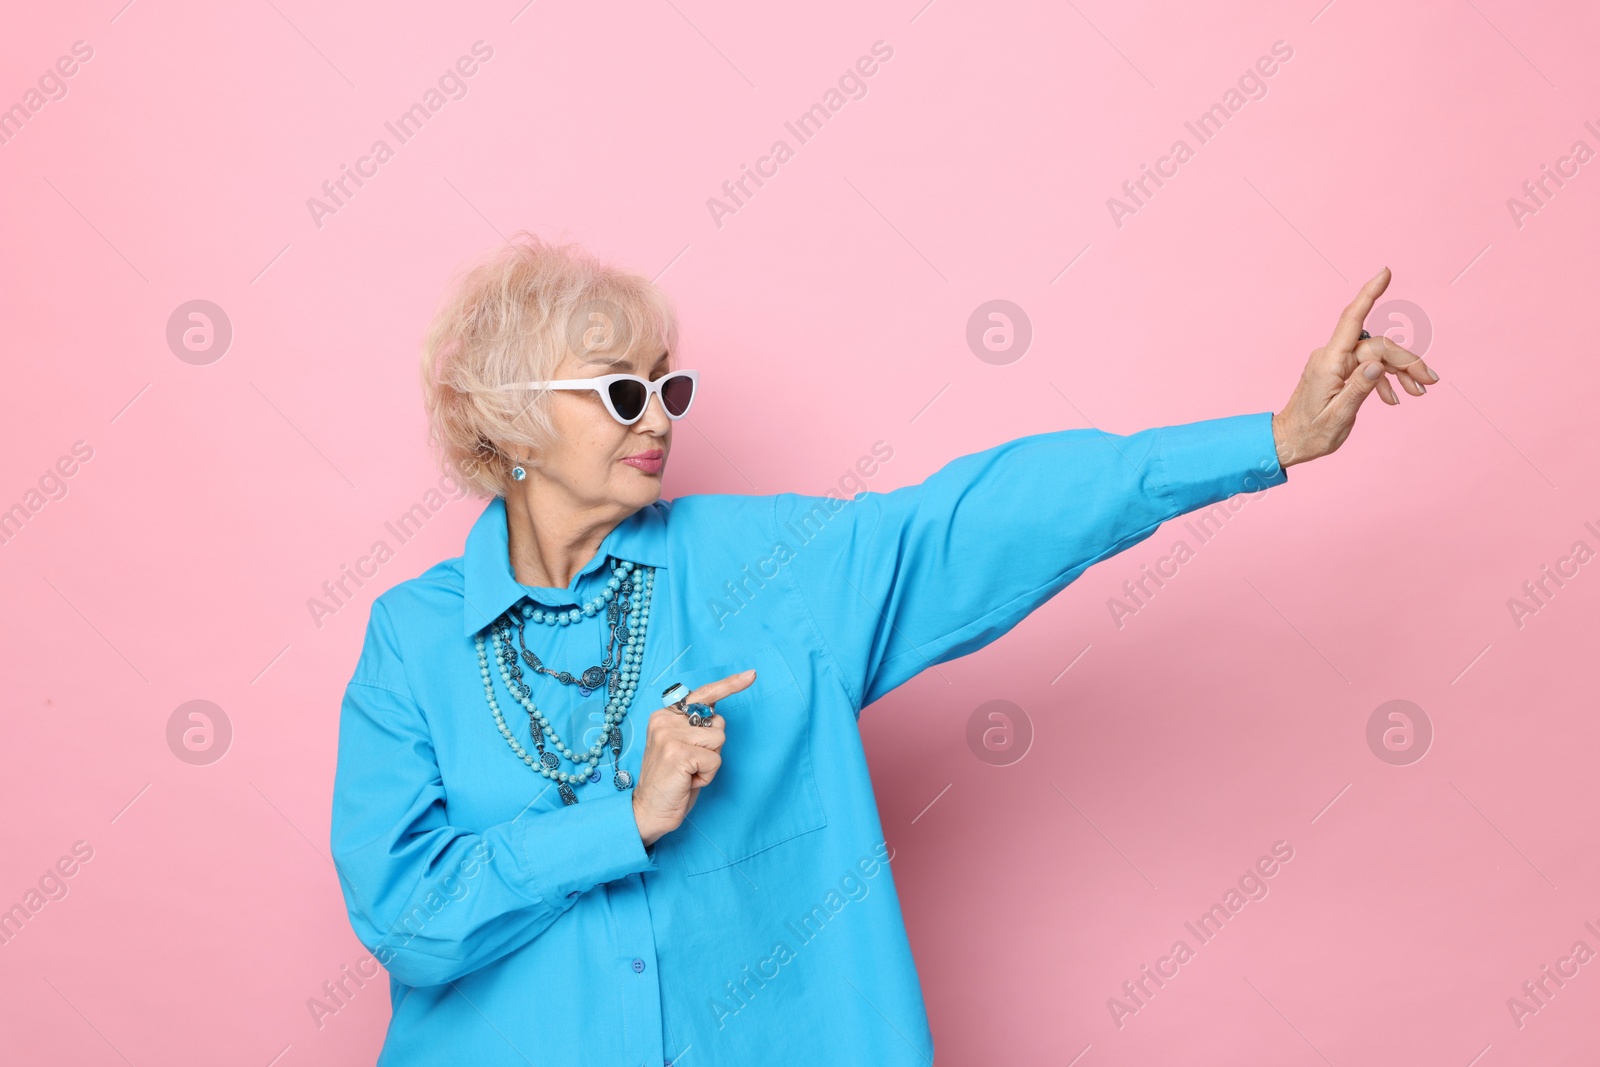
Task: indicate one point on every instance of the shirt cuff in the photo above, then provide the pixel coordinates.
(1211, 460)
(569, 852)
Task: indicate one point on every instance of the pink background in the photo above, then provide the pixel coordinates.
(828, 313)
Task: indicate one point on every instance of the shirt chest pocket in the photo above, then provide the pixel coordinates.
(765, 791)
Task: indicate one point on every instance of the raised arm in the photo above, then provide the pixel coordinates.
(433, 901)
(897, 582)
(903, 580)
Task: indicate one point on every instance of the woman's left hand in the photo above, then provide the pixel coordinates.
(1338, 377)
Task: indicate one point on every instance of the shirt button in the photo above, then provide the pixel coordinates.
(638, 966)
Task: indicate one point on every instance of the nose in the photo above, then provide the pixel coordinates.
(655, 417)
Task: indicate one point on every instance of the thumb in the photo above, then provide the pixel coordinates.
(1356, 389)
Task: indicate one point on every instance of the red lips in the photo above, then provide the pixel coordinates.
(650, 462)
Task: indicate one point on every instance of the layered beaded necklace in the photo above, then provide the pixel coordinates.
(627, 619)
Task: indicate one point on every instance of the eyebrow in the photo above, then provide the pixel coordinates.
(622, 361)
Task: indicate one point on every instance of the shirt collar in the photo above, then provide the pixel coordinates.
(491, 587)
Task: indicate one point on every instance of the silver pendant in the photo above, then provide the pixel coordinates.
(623, 779)
(567, 795)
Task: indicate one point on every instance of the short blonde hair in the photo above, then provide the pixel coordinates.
(511, 315)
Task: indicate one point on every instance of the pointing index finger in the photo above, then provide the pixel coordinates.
(712, 692)
(1348, 331)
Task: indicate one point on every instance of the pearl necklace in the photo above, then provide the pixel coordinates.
(628, 623)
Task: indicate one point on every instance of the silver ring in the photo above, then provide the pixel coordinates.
(1365, 335)
(676, 695)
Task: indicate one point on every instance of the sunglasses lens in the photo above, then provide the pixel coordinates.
(676, 392)
(628, 398)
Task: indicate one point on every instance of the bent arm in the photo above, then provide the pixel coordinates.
(433, 901)
(900, 581)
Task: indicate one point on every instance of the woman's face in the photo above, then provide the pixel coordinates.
(588, 463)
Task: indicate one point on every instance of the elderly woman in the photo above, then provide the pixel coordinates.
(601, 797)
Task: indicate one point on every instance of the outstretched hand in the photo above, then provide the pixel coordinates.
(1339, 376)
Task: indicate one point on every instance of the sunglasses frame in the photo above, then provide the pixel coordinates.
(603, 383)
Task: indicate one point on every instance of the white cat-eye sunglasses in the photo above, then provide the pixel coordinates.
(625, 395)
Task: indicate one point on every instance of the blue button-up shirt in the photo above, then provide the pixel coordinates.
(767, 928)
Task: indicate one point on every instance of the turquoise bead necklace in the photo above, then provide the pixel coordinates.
(627, 622)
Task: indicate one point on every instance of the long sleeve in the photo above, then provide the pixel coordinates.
(434, 901)
(899, 581)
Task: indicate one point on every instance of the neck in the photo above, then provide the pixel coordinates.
(550, 552)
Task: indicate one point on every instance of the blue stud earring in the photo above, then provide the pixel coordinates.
(518, 473)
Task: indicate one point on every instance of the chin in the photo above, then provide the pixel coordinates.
(642, 493)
